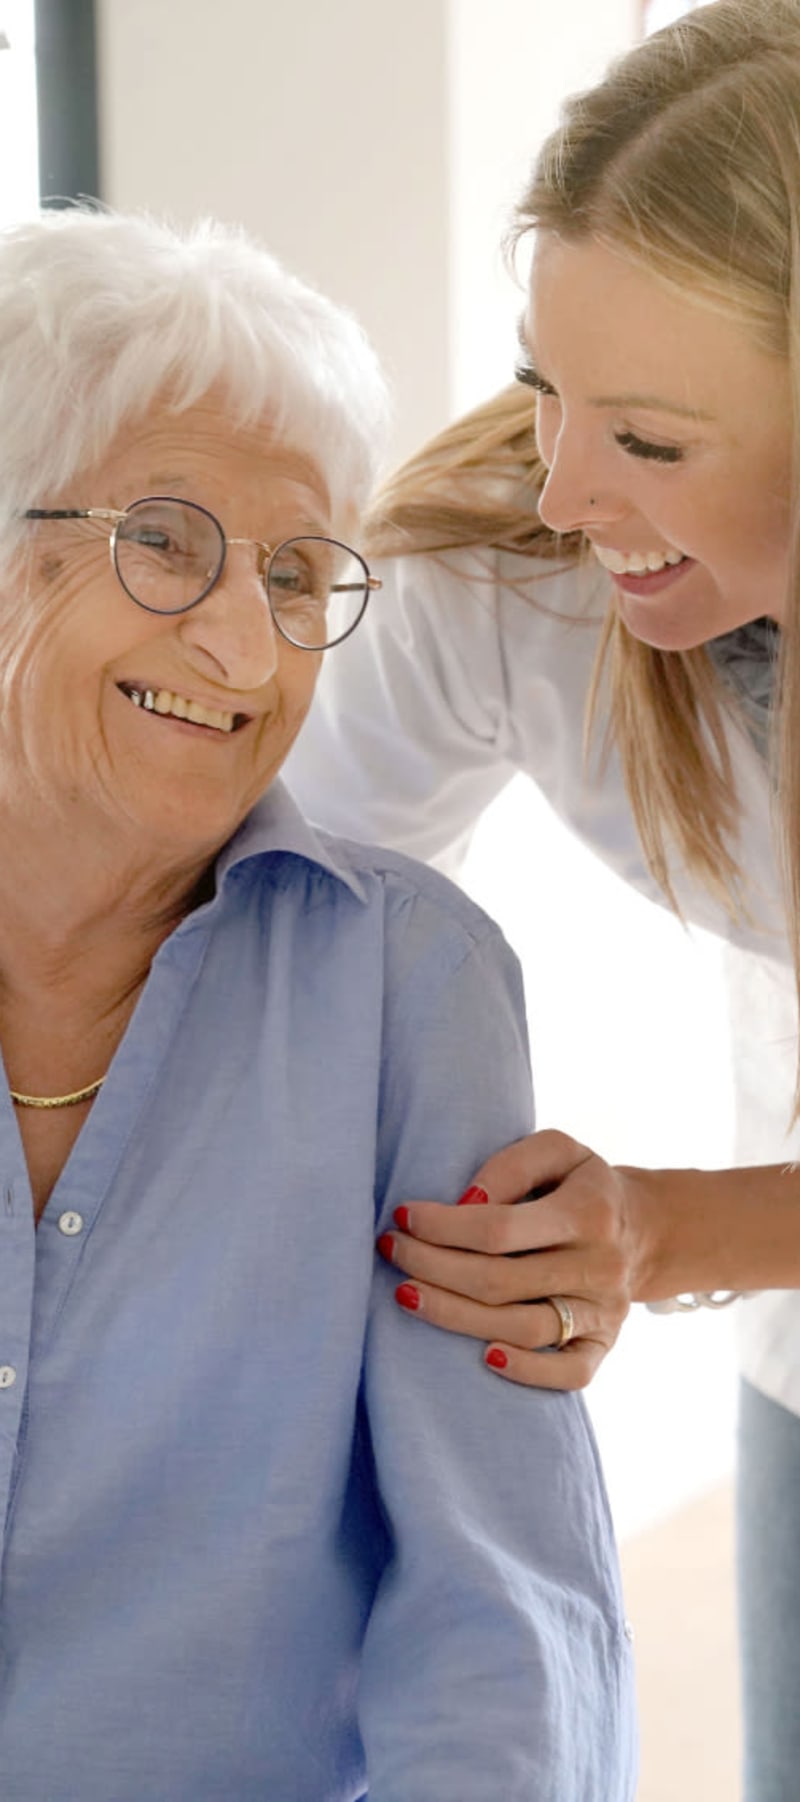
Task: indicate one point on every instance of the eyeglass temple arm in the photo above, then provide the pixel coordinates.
(73, 513)
(355, 587)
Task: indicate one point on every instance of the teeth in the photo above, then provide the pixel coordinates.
(636, 563)
(163, 701)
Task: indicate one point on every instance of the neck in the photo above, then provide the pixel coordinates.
(90, 905)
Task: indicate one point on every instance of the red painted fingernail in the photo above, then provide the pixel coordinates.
(385, 1246)
(496, 1358)
(401, 1219)
(471, 1197)
(407, 1296)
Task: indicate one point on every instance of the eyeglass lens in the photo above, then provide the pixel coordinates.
(169, 554)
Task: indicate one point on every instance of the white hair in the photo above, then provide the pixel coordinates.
(102, 314)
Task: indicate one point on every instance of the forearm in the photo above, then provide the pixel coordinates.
(715, 1229)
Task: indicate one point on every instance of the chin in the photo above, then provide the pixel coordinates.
(681, 629)
(676, 640)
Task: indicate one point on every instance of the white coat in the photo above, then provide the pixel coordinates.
(474, 665)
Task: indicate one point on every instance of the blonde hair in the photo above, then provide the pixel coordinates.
(686, 159)
(474, 484)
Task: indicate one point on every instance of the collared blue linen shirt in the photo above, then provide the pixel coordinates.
(266, 1538)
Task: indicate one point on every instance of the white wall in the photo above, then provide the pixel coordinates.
(511, 63)
(19, 155)
(376, 147)
(321, 128)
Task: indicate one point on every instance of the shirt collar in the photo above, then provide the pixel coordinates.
(276, 825)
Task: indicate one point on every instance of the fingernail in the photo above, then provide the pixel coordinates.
(407, 1296)
(401, 1219)
(471, 1197)
(385, 1245)
(496, 1358)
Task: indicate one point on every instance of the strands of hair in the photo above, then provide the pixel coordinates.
(104, 314)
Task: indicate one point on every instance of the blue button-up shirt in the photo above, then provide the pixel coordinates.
(266, 1538)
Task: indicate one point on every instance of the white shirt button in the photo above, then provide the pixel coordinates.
(8, 1376)
(628, 1630)
(70, 1224)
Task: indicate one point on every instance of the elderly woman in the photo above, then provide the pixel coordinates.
(260, 1542)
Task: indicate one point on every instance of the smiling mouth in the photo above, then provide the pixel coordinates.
(638, 563)
(169, 705)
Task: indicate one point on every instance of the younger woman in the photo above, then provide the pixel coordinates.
(656, 595)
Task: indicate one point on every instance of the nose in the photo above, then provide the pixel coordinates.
(229, 637)
(575, 496)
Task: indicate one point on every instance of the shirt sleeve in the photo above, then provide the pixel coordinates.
(496, 1661)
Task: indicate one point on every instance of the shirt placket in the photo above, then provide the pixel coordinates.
(38, 1268)
(17, 1266)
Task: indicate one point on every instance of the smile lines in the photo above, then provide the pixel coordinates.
(174, 706)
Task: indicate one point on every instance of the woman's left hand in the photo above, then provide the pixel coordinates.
(489, 1270)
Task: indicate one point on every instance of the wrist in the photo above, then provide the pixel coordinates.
(705, 1230)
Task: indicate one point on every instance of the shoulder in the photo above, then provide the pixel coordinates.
(409, 894)
(278, 853)
(394, 935)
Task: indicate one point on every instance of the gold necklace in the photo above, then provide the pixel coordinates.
(72, 1100)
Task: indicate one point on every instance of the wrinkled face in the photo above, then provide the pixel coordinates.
(667, 436)
(76, 652)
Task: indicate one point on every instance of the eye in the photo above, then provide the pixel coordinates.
(153, 538)
(162, 538)
(530, 378)
(300, 570)
(641, 447)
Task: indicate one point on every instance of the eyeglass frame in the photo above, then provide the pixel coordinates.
(269, 553)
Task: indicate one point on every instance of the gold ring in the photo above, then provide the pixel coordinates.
(567, 1319)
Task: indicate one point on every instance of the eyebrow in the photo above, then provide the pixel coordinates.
(651, 403)
(165, 486)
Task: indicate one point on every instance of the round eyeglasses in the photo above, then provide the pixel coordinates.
(168, 554)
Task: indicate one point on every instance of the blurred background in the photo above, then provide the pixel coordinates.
(378, 149)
